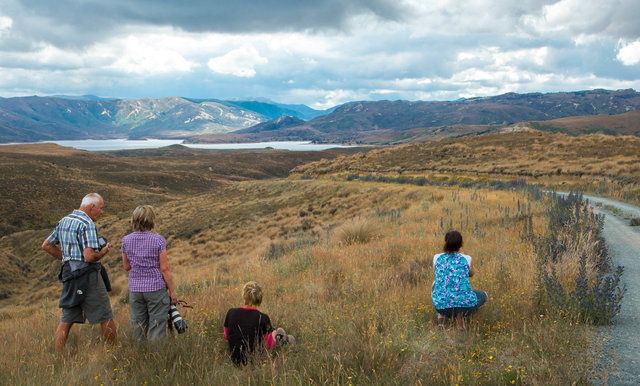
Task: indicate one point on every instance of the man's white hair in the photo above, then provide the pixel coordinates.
(91, 198)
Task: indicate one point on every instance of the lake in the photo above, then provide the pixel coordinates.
(127, 144)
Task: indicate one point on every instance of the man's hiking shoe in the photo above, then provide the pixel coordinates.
(441, 320)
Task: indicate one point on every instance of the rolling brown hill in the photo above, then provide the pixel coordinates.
(603, 164)
(216, 204)
(345, 298)
(227, 223)
(617, 124)
(620, 124)
(41, 183)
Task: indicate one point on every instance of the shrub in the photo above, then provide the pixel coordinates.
(358, 232)
(634, 222)
(593, 300)
(596, 294)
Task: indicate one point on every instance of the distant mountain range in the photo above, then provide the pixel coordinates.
(47, 118)
(385, 122)
(27, 119)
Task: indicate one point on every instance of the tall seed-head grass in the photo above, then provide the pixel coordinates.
(361, 314)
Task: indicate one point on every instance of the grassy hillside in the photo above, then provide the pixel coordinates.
(618, 124)
(57, 178)
(601, 164)
(346, 269)
(345, 265)
(621, 124)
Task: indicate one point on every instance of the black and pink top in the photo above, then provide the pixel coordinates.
(243, 328)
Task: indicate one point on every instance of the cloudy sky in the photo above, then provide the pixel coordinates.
(317, 52)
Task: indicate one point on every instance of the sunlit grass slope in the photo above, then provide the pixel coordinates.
(601, 164)
(346, 268)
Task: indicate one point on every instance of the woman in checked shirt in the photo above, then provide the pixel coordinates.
(144, 256)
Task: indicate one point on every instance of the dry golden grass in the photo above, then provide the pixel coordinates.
(625, 124)
(358, 232)
(43, 183)
(601, 164)
(361, 312)
(56, 178)
(345, 265)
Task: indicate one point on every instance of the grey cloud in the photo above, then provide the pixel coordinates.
(366, 64)
(624, 20)
(614, 19)
(79, 22)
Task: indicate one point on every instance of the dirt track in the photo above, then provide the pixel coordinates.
(620, 352)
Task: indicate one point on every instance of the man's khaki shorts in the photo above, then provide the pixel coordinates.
(95, 307)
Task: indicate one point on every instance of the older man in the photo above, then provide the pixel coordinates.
(75, 242)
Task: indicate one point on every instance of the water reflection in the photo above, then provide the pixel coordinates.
(126, 144)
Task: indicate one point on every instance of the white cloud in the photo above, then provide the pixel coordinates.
(144, 55)
(629, 53)
(53, 56)
(339, 96)
(585, 39)
(5, 23)
(324, 99)
(497, 58)
(41, 58)
(240, 62)
(433, 50)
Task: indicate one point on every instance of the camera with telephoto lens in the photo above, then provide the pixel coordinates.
(102, 242)
(176, 320)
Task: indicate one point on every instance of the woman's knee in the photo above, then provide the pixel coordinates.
(482, 297)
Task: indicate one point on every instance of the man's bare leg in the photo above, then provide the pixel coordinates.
(109, 331)
(61, 336)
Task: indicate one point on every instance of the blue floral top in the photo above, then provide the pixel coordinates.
(451, 287)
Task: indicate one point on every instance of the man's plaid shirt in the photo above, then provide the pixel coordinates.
(74, 233)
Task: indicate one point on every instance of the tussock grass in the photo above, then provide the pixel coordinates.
(358, 232)
(361, 312)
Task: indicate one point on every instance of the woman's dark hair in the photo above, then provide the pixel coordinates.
(452, 241)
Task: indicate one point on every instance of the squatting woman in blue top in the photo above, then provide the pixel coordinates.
(451, 292)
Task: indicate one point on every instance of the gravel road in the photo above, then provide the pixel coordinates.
(620, 351)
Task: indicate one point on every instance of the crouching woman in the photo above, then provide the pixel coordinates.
(248, 330)
(451, 292)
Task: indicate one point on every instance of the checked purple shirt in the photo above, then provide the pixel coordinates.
(143, 252)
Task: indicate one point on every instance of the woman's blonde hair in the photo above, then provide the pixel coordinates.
(252, 294)
(144, 218)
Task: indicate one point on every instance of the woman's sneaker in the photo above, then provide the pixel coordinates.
(441, 320)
